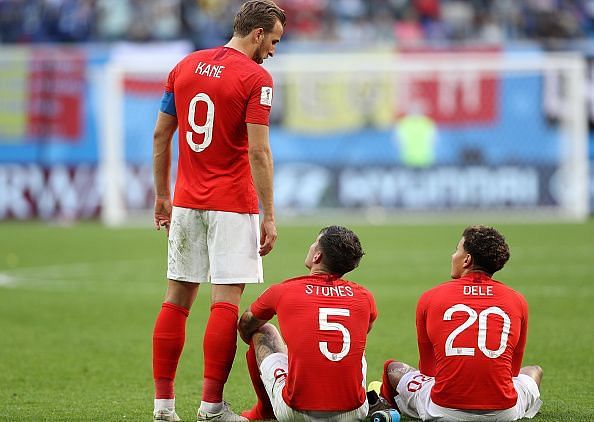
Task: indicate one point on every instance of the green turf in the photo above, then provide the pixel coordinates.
(77, 306)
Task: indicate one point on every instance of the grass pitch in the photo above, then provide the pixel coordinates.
(77, 308)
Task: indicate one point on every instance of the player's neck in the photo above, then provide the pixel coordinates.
(476, 271)
(240, 45)
(322, 271)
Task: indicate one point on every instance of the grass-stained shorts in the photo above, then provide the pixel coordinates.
(214, 246)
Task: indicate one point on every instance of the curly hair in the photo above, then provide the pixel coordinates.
(487, 247)
(257, 14)
(341, 249)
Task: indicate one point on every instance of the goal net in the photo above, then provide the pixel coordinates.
(392, 134)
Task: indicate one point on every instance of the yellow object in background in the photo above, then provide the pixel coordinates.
(375, 386)
(346, 102)
(13, 93)
(416, 136)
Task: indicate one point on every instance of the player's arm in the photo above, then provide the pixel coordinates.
(372, 311)
(262, 168)
(518, 355)
(163, 135)
(426, 355)
(248, 325)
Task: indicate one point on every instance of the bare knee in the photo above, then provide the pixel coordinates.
(230, 293)
(534, 371)
(181, 293)
(396, 370)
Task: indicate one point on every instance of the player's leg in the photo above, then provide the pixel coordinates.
(266, 341)
(270, 356)
(188, 262)
(168, 342)
(393, 373)
(233, 242)
(534, 372)
(220, 343)
(219, 346)
(527, 385)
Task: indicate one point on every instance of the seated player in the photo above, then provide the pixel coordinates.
(471, 337)
(318, 371)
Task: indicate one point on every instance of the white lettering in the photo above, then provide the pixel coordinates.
(478, 290)
(218, 71)
(329, 291)
(12, 185)
(210, 70)
(30, 191)
(439, 188)
(451, 85)
(300, 186)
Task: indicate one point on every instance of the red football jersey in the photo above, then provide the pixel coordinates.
(471, 336)
(324, 322)
(216, 93)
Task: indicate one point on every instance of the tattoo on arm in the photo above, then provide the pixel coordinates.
(267, 340)
(248, 324)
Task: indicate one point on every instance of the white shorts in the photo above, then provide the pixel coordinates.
(273, 370)
(418, 404)
(214, 246)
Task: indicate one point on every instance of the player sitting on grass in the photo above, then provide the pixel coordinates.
(471, 337)
(318, 371)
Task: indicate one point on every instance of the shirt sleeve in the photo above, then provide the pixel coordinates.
(521, 346)
(168, 104)
(426, 356)
(260, 99)
(373, 308)
(264, 308)
(171, 79)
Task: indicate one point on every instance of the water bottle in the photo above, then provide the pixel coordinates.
(388, 415)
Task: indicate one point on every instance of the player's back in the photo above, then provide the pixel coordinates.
(324, 321)
(477, 328)
(217, 92)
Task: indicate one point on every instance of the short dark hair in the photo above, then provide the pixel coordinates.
(257, 14)
(487, 247)
(341, 249)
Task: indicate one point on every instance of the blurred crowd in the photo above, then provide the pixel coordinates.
(208, 22)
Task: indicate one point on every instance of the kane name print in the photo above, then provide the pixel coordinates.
(210, 70)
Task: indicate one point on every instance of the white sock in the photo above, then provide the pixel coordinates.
(211, 407)
(161, 404)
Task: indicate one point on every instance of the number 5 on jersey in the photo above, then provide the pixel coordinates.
(205, 129)
(334, 326)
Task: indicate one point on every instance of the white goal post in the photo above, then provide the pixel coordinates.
(571, 172)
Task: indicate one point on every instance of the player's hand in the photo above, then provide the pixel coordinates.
(162, 213)
(267, 236)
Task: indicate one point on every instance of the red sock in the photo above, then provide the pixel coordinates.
(220, 343)
(387, 391)
(263, 408)
(168, 342)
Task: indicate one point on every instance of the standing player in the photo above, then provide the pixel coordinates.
(220, 99)
(319, 374)
(471, 337)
